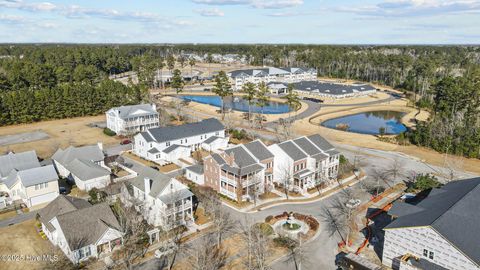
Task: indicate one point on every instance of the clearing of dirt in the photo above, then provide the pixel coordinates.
(56, 133)
(23, 240)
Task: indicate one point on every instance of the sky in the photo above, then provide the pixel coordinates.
(241, 21)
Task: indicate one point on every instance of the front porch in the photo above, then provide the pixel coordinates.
(104, 249)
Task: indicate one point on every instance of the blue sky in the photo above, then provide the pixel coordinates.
(242, 21)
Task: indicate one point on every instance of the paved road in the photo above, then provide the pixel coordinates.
(18, 219)
(117, 149)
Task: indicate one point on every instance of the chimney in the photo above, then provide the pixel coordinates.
(100, 145)
(148, 184)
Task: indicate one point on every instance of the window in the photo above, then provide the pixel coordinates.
(46, 184)
(217, 133)
(185, 140)
(167, 144)
(88, 253)
(81, 254)
(425, 253)
(431, 255)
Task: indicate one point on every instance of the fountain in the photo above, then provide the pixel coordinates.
(290, 227)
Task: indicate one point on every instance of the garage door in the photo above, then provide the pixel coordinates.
(43, 198)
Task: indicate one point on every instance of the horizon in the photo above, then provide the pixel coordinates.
(326, 22)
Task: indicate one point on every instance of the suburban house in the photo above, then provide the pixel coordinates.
(26, 181)
(83, 165)
(240, 173)
(127, 120)
(163, 201)
(168, 144)
(271, 74)
(333, 90)
(195, 173)
(441, 231)
(304, 163)
(79, 229)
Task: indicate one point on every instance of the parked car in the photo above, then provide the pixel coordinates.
(63, 190)
(206, 89)
(124, 142)
(155, 168)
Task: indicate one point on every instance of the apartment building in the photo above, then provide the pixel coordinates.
(168, 144)
(127, 120)
(332, 90)
(439, 232)
(242, 172)
(304, 163)
(270, 74)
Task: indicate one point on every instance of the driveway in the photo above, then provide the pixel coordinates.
(18, 219)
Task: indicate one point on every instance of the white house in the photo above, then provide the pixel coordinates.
(132, 119)
(22, 177)
(439, 232)
(194, 173)
(79, 229)
(84, 165)
(304, 163)
(167, 144)
(270, 74)
(163, 201)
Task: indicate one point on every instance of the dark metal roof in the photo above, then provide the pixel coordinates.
(452, 211)
(165, 134)
(331, 88)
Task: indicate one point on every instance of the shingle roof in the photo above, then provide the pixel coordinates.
(320, 142)
(211, 139)
(159, 180)
(452, 211)
(259, 150)
(241, 157)
(18, 161)
(195, 168)
(241, 171)
(95, 221)
(164, 134)
(173, 147)
(331, 88)
(292, 150)
(88, 152)
(60, 205)
(86, 170)
(307, 146)
(175, 196)
(39, 175)
(146, 136)
(134, 110)
(218, 159)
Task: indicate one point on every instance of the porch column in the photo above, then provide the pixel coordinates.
(109, 246)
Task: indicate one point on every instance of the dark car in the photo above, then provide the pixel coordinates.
(124, 142)
(155, 168)
(63, 190)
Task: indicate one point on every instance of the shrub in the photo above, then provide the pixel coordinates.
(265, 228)
(283, 241)
(268, 219)
(238, 134)
(109, 132)
(423, 182)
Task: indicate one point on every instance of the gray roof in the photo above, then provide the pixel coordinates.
(175, 196)
(31, 177)
(331, 88)
(154, 150)
(452, 211)
(259, 150)
(332, 152)
(18, 161)
(88, 152)
(159, 180)
(60, 205)
(241, 171)
(195, 168)
(262, 72)
(86, 170)
(95, 221)
(211, 139)
(241, 157)
(320, 142)
(307, 146)
(218, 159)
(147, 136)
(135, 110)
(292, 150)
(173, 147)
(165, 134)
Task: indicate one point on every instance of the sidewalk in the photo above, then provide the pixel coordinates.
(310, 198)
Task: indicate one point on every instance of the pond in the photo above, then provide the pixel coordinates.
(369, 122)
(238, 104)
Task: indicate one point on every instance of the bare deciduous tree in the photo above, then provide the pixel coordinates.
(395, 169)
(223, 222)
(297, 254)
(205, 255)
(334, 223)
(257, 246)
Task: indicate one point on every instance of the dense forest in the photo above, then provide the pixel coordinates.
(40, 82)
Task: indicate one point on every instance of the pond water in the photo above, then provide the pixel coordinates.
(238, 104)
(369, 122)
